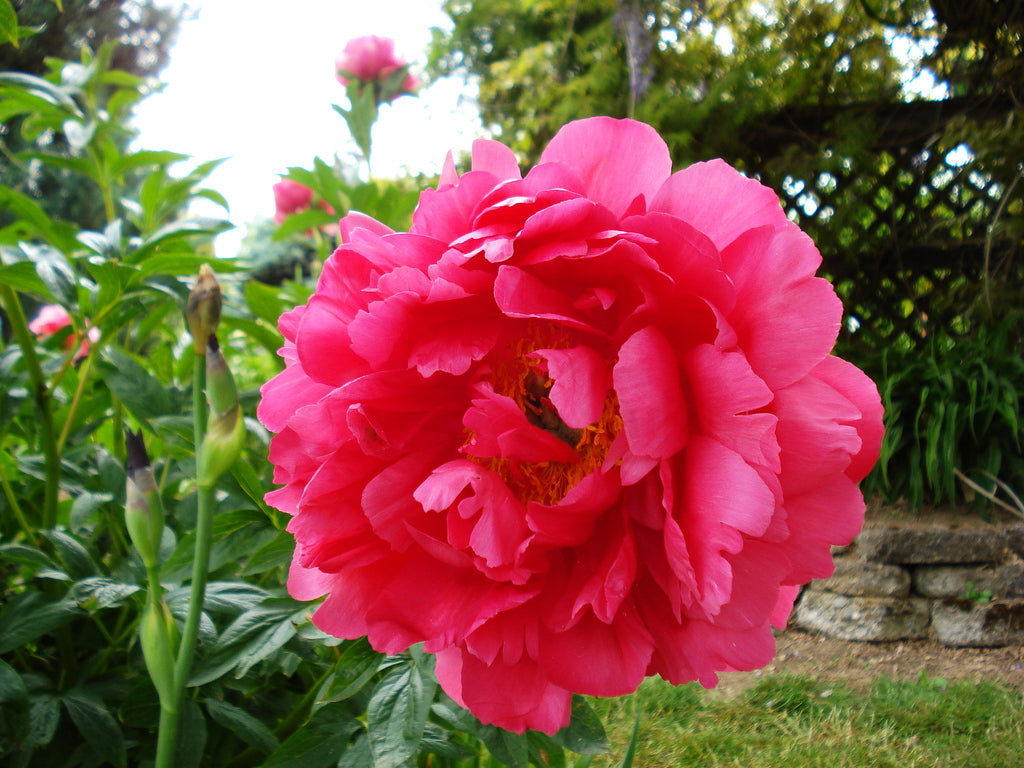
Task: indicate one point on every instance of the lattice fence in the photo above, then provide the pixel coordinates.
(918, 238)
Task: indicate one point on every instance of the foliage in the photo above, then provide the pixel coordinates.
(955, 407)
(80, 617)
(709, 69)
(136, 36)
(787, 721)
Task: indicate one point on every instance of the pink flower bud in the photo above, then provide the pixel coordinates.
(371, 59)
(290, 197)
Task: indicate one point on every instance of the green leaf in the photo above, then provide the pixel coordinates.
(396, 715)
(243, 725)
(84, 508)
(191, 741)
(584, 734)
(23, 277)
(102, 592)
(265, 301)
(72, 554)
(141, 393)
(318, 743)
(58, 234)
(97, 725)
(12, 687)
(510, 749)
(8, 24)
(276, 552)
(37, 85)
(43, 718)
(144, 159)
(251, 485)
(26, 555)
(358, 663)
(304, 221)
(627, 759)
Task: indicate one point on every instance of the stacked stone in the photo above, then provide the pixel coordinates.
(963, 586)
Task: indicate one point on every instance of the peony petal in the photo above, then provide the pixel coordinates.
(856, 387)
(617, 160)
(653, 409)
(516, 697)
(495, 158)
(582, 380)
(787, 320)
(598, 659)
(718, 201)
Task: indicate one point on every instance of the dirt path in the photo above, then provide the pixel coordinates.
(858, 664)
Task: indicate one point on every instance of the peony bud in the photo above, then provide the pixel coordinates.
(220, 384)
(143, 511)
(158, 636)
(203, 310)
(221, 445)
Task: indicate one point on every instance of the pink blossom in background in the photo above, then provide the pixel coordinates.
(371, 59)
(51, 319)
(573, 428)
(290, 197)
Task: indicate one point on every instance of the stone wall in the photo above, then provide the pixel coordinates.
(959, 580)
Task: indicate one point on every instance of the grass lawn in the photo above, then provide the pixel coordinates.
(797, 722)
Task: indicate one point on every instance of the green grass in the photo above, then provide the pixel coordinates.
(797, 722)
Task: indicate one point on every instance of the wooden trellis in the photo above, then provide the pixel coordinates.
(909, 229)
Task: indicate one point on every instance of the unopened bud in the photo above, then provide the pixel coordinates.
(220, 384)
(143, 510)
(203, 310)
(158, 636)
(221, 445)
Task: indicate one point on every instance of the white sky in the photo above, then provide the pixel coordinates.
(254, 81)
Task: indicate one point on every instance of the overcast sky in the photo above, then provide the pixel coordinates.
(254, 82)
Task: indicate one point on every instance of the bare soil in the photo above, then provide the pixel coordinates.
(859, 664)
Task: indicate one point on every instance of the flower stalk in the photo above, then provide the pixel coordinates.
(216, 449)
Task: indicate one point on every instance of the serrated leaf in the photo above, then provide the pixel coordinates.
(243, 725)
(97, 725)
(318, 743)
(396, 714)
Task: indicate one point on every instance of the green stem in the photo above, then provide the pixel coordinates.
(51, 455)
(170, 710)
(19, 513)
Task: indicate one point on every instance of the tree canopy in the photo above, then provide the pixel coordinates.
(699, 70)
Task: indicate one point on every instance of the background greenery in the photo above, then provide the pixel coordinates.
(106, 232)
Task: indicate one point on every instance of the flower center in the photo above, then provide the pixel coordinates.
(525, 380)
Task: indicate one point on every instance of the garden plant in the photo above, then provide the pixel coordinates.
(485, 448)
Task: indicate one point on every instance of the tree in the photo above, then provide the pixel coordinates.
(698, 70)
(144, 33)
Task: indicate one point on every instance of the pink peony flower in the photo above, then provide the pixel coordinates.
(572, 429)
(371, 59)
(290, 197)
(51, 319)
